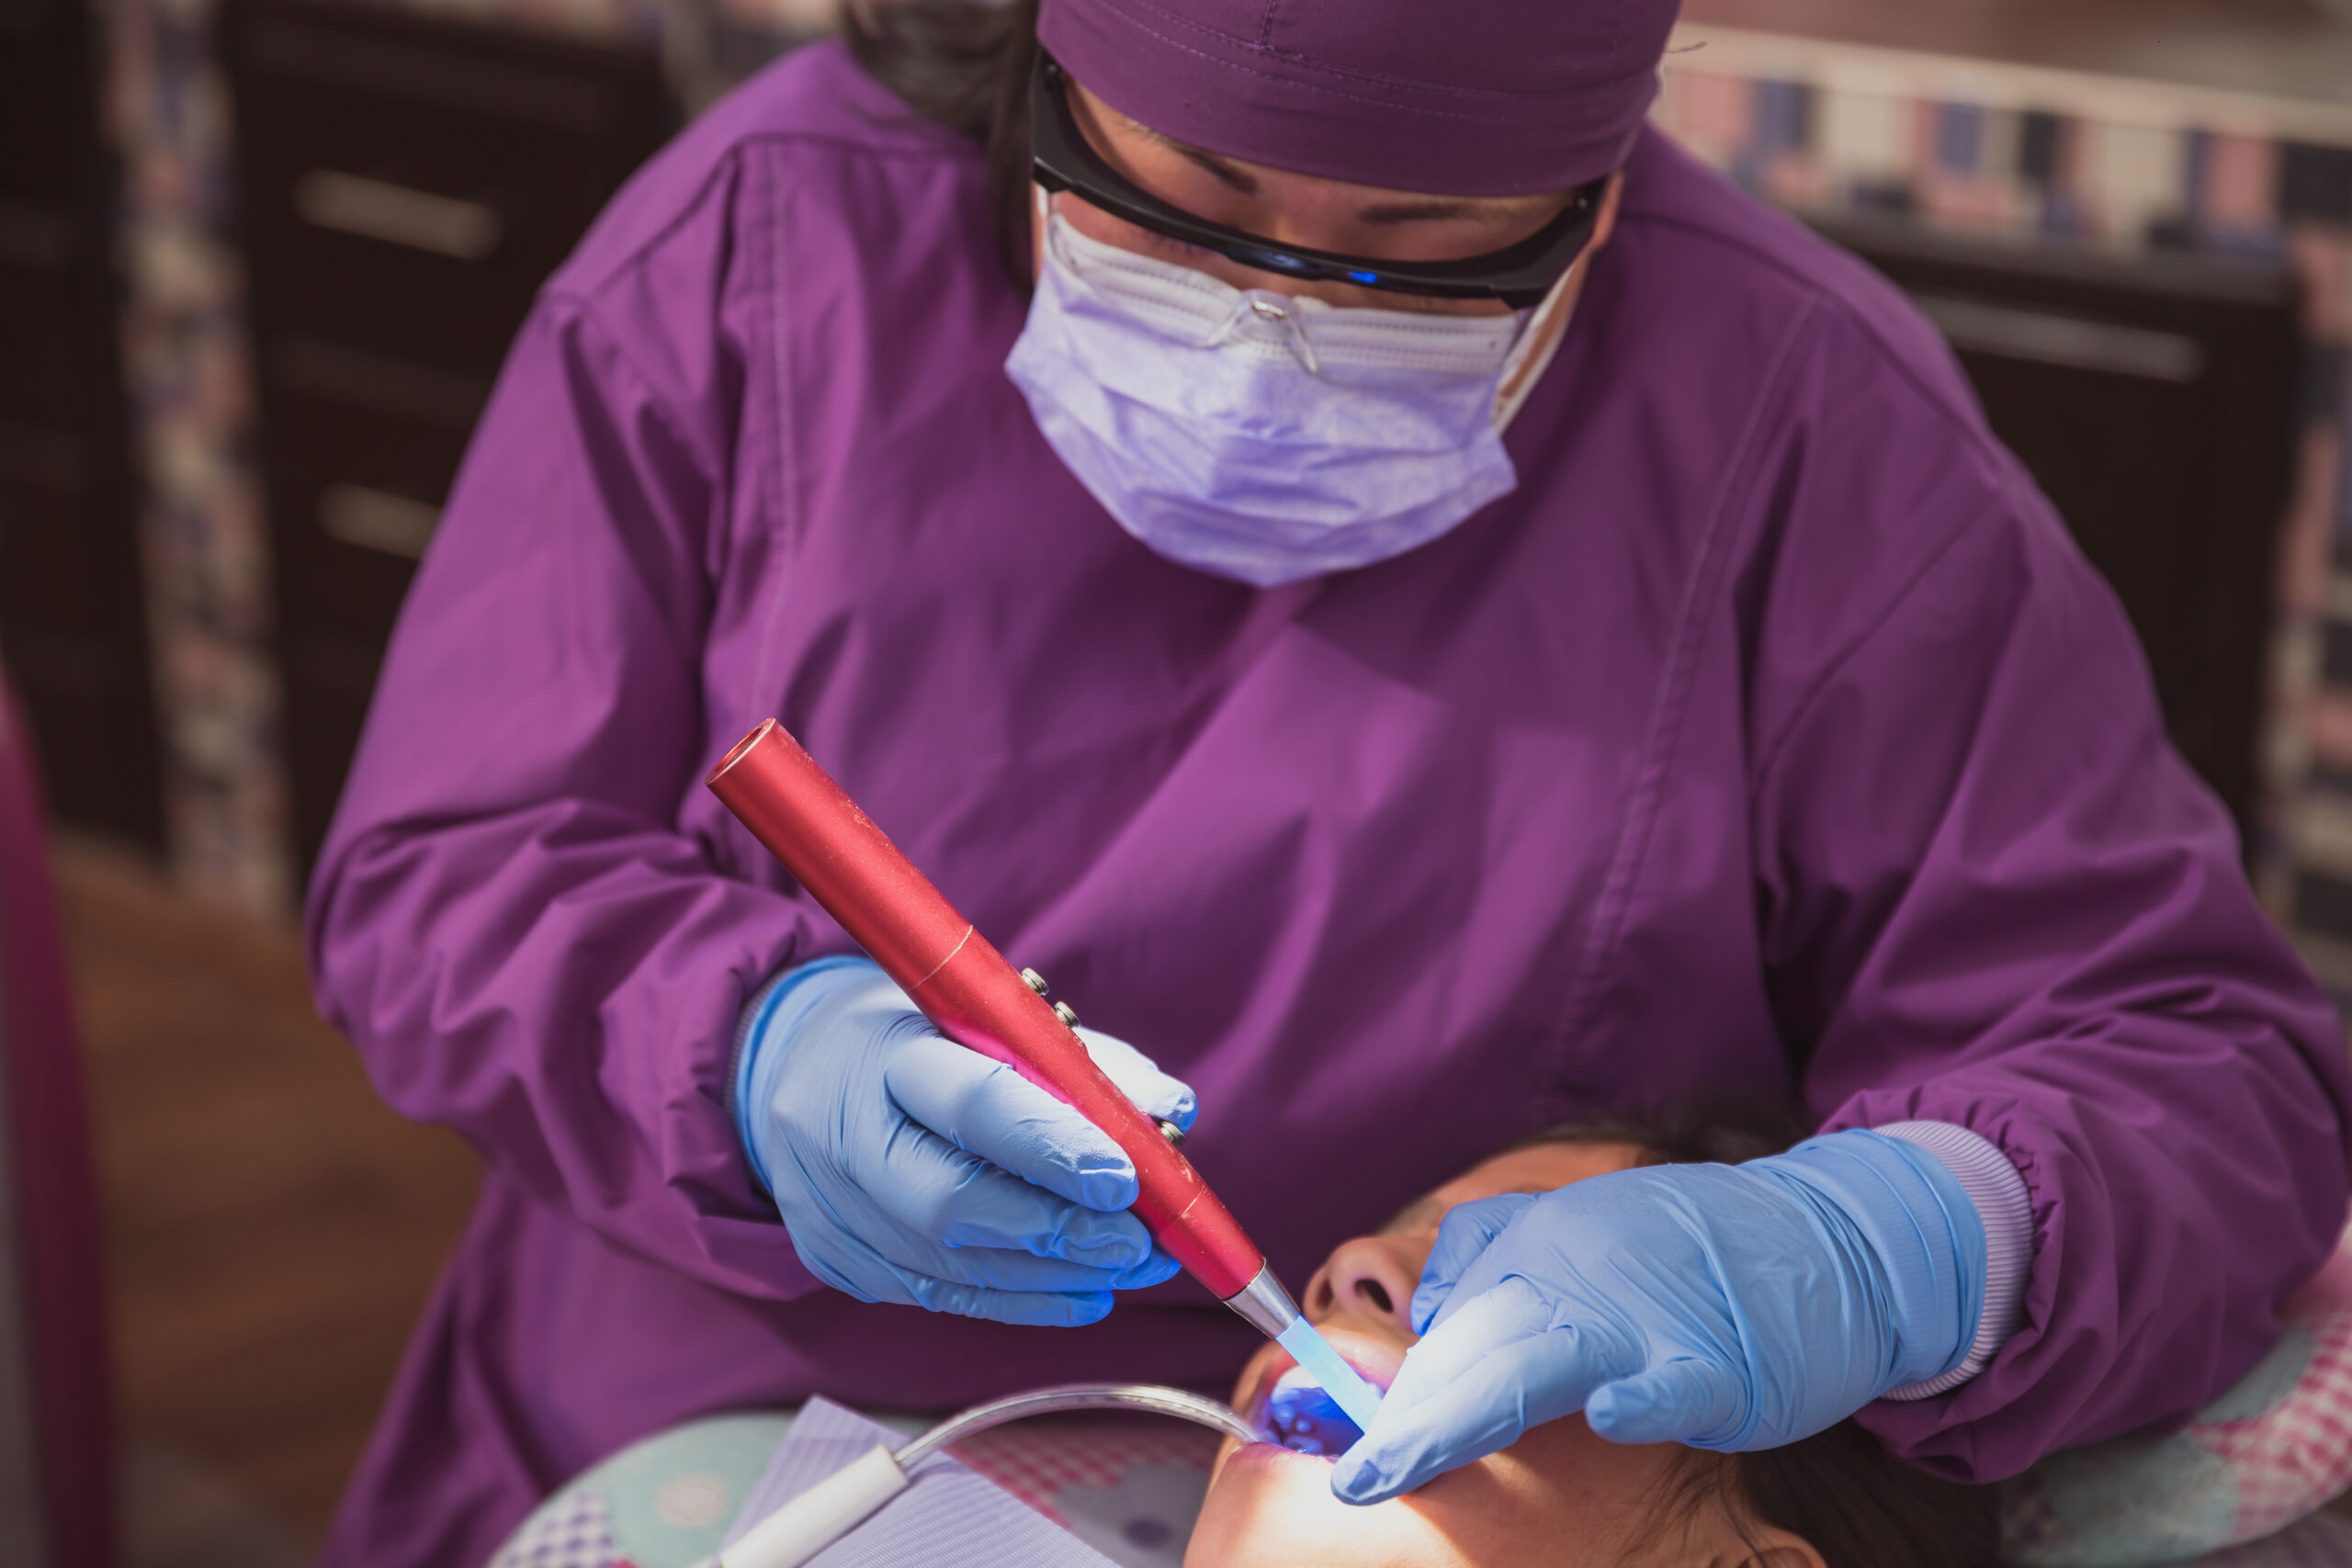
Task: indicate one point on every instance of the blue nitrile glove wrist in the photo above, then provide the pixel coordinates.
(912, 1170)
(1725, 1307)
(754, 1070)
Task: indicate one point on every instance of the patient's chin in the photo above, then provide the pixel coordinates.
(1271, 1508)
(1559, 1496)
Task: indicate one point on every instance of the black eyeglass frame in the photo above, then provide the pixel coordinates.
(1060, 158)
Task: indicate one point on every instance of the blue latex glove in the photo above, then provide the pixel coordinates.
(910, 1169)
(1727, 1307)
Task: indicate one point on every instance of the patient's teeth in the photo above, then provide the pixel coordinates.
(1300, 1416)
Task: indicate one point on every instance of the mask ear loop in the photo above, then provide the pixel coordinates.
(1547, 327)
(1041, 223)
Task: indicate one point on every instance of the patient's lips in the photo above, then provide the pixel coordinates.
(1293, 1411)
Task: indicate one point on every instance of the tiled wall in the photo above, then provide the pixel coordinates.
(2027, 155)
(2148, 171)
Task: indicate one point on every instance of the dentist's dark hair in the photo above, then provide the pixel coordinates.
(1840, 1490)
(963, 65)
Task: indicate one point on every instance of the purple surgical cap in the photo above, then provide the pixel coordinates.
(1457, 97)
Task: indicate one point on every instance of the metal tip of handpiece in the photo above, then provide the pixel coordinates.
(1263, 1305)
(1269, 1308)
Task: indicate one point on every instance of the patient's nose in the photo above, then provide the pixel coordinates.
(1367, 1278)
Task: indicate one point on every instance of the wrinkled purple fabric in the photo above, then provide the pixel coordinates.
(1774, 714)
(1476, 97)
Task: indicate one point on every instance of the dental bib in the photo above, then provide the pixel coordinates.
(1255, 435)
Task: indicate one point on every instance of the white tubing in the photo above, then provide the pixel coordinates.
(821, 1516)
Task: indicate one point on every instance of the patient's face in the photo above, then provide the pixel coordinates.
(1559, 1496)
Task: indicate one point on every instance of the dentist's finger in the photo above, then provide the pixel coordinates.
(1513, 1386)
(1467, 1230)
(942, 1197)
(985, 1107)
(867, 1275)
(1681, 1402)
(1481, 1324)
(1155, 1093)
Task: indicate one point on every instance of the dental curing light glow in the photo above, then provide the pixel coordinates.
(1341, 1381)
(1300, 1415)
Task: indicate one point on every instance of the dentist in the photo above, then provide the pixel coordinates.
(1411, 601)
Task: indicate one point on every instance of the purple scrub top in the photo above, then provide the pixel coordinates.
(1773, 719)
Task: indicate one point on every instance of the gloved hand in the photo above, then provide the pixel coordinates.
(1727, 1307)
(910, 1169)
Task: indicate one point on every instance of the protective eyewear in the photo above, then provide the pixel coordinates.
(1060, 158)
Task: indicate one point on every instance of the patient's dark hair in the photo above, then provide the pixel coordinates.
(963, 65)
(1860, 1506)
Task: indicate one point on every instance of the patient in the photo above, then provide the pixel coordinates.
(1561, 1495)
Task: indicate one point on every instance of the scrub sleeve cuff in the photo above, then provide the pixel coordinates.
(1993, 1184)
(753, 1033)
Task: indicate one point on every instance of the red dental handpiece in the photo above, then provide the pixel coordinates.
(964, 986)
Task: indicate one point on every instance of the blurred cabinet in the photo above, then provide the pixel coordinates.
(405, 185)
(72, 609)
(2155, 401)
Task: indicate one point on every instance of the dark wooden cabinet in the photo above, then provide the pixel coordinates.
(72, 609)
(405, 184)
(2154, 398)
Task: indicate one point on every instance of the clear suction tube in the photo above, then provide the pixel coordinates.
(839, 1503)
(1080, 1396)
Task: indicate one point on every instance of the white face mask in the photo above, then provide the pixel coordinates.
(1262, 438)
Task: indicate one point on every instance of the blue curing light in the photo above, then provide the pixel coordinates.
(1341, 1381)
(1300, 1416)
(1365, 276)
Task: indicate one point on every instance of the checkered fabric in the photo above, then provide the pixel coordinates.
(576, 1534)
(2323, 1540)
(2271, 1450)
(2295, 1455)
(1038, 1460)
